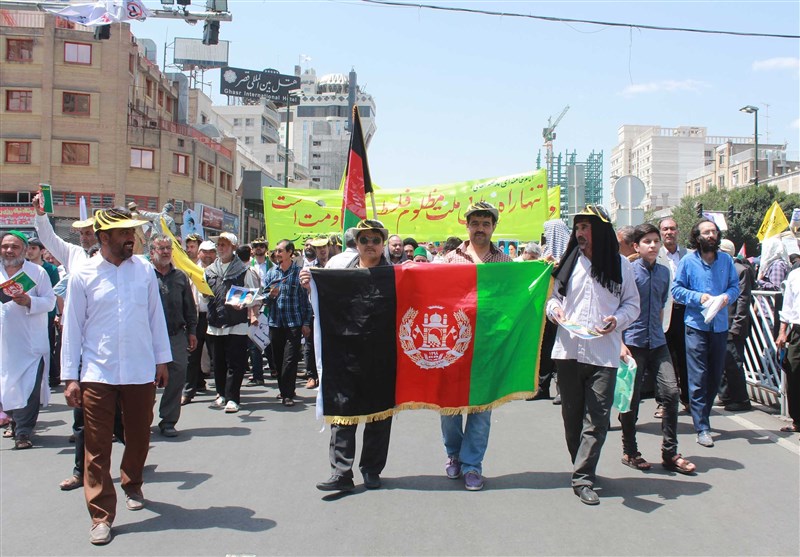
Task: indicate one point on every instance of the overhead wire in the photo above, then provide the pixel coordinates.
(419, 6)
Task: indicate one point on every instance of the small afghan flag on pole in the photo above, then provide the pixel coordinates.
(357, 181)
(446, 337)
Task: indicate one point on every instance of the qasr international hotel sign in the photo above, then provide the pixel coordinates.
(275, 86)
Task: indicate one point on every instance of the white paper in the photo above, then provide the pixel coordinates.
(259, 334)
(712, 307)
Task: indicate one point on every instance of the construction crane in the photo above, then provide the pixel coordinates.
(549, 134)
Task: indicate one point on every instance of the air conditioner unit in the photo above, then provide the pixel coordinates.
(179, 206)
(152, 124)
(23, 197)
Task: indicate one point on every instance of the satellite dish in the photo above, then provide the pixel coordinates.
(629, 191)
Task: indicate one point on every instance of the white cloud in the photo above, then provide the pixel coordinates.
(668, 86)
(785, 63)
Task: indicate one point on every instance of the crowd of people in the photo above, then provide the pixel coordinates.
(113, 326)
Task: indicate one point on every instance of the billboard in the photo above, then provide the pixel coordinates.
(252, 84)
(193, 53)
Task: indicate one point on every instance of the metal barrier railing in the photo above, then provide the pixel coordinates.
(761, 364)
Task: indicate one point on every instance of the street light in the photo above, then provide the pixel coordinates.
(750, 109)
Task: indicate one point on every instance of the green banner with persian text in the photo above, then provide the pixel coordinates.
(429, 213)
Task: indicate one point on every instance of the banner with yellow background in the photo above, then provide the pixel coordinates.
(430, 213)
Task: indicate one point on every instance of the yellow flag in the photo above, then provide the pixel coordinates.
(182, 262)
(774, 222)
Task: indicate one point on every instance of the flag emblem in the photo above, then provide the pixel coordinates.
(427, 341)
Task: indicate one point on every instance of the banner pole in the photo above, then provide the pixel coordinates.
(374, 210)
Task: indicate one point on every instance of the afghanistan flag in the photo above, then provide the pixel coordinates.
(446, 337)
(357, 182)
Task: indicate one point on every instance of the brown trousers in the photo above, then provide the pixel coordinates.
(99, 406)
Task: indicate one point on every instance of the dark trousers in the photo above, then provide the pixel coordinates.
(230, 361)
(24, 419)
(791, 365)
(285, 343)
(655, 362)
(169, 410)
(99, 406)
(734, 384)
(54, 335)
(194, 371)
(373, 454)
(77, 429)
(310, 356)
(587, 393)
(705, 359)
(676, 340)
(256, 360)
(547, 367)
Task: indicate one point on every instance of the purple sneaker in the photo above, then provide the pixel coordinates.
(453, 468)
(473, 481)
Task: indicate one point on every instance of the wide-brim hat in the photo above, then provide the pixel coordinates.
(109, 219)
(230, 236)
(320, 241)
(369, 224)
(335, 239)
(259, 242)
(597, 211)
(482, 206)
(83, 223)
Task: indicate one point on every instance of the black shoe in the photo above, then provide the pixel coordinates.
(372, 480)
(719, 402)
(557, 400)
(738, 406)
(540, 394)
(586, 494)
(254, 383)
(336, 483)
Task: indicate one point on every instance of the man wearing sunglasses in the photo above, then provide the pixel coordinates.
(370, 237)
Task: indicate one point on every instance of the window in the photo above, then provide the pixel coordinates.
(237, 121)
(142, 158)
(210, 174)
(131, 63)
(180, 164)
(19, 50)
(241, 171)
(201, 170)
(160, 97)
(76, 104)
(149, 88)
(316, 167)
(19, 101)
(722, 182)
(169, 104)
(222, 179)
(735, 178)
(316, 143)
(181, 142)
(18, 152)
(248, 122)
(75, 153)
(721, 159)
(316, 156)
(77, 53)
(317, 180)
(248, 140)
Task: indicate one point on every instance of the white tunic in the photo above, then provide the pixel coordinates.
(24, 341)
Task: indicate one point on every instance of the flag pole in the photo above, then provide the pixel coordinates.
(374, 210)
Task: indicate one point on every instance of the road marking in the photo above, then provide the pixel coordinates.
(780, 441)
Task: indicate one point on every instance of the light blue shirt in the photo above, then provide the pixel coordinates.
(694, 278)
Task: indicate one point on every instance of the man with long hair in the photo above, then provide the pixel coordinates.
(702, 276)
(594, 287)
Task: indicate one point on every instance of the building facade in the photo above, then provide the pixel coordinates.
(98, 119)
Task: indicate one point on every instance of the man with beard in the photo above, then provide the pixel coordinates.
(394, 250)
(704, 274)
(24, 345)
(466, 444)
(309, 254)
(322, 246)
(192, 243)
(181, 314)
(116, 348)
(594, 287)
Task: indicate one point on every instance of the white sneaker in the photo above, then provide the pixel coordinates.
(231, 407)
(219, 402)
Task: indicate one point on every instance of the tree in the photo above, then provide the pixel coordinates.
(750, 204)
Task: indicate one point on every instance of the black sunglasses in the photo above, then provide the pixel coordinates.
(363, 240)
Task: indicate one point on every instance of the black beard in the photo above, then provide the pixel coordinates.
(310, 253)
(707, 246)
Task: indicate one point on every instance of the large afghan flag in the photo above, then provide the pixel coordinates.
(357, 181)
(445, 337)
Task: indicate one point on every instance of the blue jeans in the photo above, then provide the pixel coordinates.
(705, 364)
(467, 445)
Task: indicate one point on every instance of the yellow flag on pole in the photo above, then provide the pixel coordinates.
(774, 222)
(182, 262)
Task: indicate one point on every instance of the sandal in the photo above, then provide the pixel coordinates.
(8, 433)
(22, 442)
(792, 428)
(73, 482)
(636, 462)
(679, 464)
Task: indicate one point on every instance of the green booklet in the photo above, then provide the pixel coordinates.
(16, 285)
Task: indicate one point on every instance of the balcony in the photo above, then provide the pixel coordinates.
(270, 134)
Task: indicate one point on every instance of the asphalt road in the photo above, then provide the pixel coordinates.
(243, 484)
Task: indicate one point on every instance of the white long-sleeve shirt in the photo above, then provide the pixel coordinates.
(790, 311)
(587, 302)
(114, 320)
(70, 255)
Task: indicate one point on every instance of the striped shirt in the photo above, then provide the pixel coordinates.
(460, 255)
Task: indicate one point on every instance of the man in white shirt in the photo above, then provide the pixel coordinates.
(115, 348)
(789, 338)
(594, 287)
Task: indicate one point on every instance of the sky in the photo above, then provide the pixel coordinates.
(462, 96)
